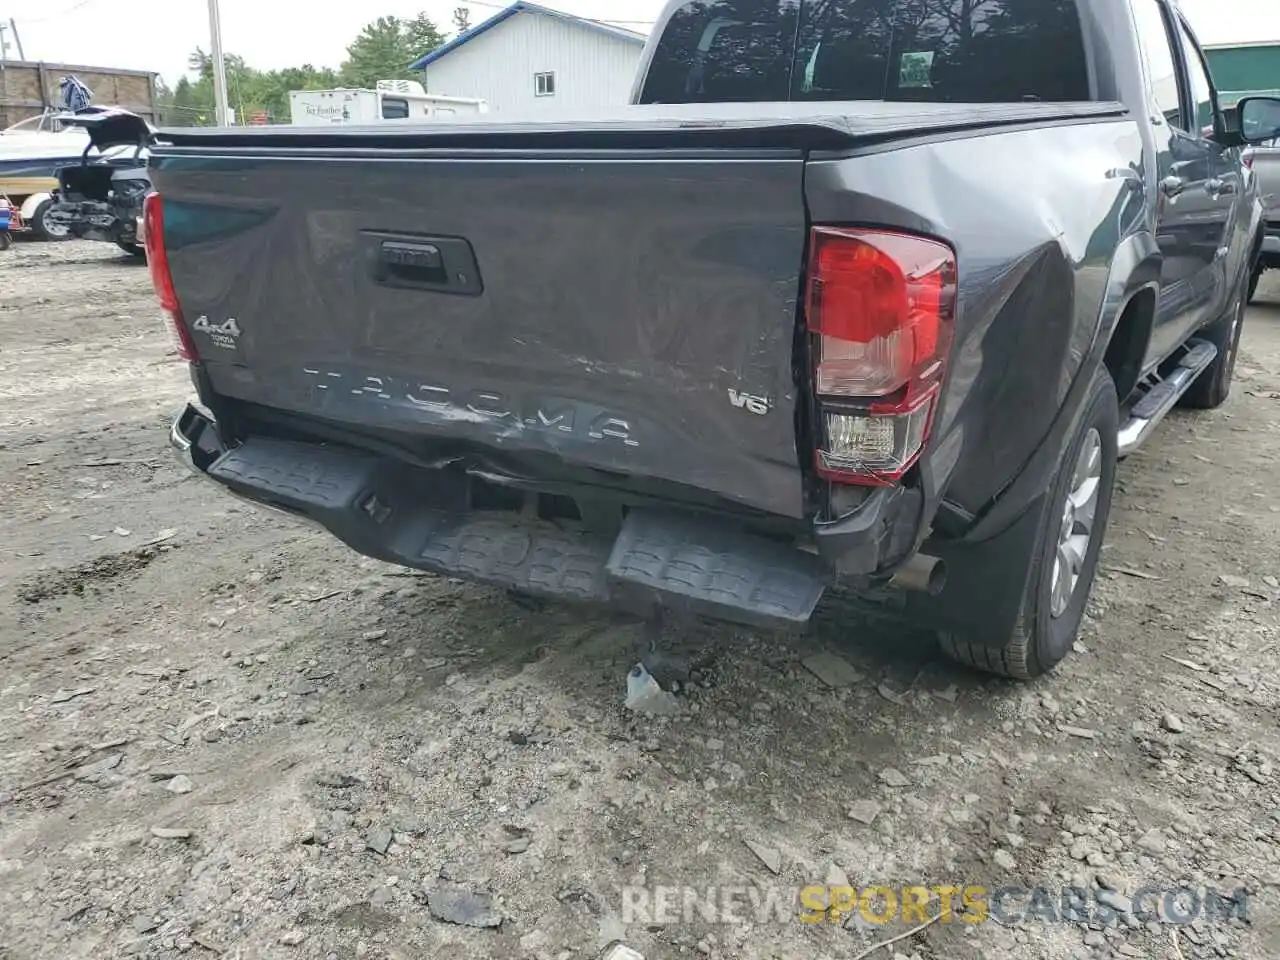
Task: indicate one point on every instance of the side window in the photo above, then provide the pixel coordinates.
(1201, 106)
(544, 84)
(1162, 70)
(393, 108)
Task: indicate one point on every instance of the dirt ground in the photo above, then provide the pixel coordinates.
(223, 733)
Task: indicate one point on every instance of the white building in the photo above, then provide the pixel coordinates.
(529, 59)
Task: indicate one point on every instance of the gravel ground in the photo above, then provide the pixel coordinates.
(224, 734)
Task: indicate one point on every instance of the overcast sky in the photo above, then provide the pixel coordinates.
(158, 34)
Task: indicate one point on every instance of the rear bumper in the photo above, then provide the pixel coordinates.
(420, 518)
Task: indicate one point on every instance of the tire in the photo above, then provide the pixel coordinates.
(131, 248)
(1253, 283)
(1213, 386)
(1047, 627)
(40, 224)
(6, 239)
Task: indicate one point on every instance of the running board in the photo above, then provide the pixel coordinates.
(1155, 404)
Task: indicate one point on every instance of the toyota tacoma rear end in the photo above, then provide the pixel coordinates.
(846, 300)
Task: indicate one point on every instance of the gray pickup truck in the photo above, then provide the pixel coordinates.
(856, 295)
(1264, 160)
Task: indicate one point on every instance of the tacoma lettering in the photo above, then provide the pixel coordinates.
(535, 414)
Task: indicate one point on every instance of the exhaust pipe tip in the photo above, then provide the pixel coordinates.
(921, 574)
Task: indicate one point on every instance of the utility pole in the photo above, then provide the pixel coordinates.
(17, 39)
(219, 66)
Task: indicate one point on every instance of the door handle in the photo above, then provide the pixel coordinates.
(1130, 177)
(1172, 186)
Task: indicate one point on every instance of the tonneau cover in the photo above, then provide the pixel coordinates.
(819, 125)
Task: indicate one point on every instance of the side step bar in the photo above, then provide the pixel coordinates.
(1156, 403)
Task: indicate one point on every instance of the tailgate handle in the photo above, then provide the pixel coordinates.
(443, 264)
(418, 262)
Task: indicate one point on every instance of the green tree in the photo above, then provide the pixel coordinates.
(383, 51)
(249, 91)
(378, 53)
(188, 107)
(421, 36)
(385, 48)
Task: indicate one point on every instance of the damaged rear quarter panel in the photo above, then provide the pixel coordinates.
(1035, 216)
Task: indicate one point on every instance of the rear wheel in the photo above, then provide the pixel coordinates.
(1064, 565)
(1253, 282)
(43, 227)
(1213, 386)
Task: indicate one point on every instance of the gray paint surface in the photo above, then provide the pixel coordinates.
(623, 300)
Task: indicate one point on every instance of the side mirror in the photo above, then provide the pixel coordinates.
(1259, 118)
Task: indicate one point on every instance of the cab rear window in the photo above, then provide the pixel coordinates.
(932, 51)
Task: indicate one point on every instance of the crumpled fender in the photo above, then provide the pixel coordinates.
(1134, 268)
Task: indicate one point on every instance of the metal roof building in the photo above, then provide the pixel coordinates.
(1242, 43)
(1243, 68)
(528, 59)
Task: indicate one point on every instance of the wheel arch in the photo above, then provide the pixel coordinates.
(1130, 336)
(1128, 311)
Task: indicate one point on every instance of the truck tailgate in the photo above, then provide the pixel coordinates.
(625, 311)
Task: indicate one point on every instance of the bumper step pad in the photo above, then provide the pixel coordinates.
(301, 476)
(714, 571)
(541, 559)
(398, 514)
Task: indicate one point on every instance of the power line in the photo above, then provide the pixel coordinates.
(59, 15)
(504, 6)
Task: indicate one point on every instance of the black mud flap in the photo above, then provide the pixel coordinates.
(419, 518)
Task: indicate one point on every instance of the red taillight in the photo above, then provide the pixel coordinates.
(1248, 161)
(880, 307)
(161, 278)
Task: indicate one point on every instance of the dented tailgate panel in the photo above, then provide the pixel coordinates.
(629, 312)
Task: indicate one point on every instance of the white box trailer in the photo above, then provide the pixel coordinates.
(391, 101)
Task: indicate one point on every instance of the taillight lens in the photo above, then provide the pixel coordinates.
(161, 278)
(880, 307)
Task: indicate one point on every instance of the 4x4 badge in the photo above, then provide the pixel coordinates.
(222, 334)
